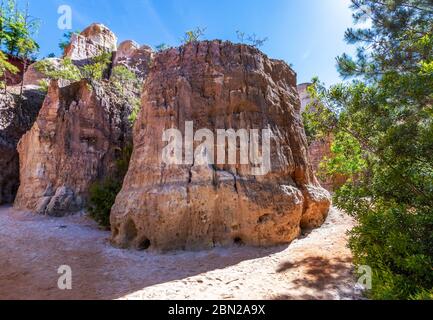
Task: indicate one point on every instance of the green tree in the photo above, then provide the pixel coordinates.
(5, 68)
(17, 29)
(382, 122)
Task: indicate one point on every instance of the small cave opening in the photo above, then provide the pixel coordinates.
(238, 241)
(143, 244)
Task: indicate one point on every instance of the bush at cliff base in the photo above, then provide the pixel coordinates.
(102, 194)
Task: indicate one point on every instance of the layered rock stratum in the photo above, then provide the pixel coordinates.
(217, 85)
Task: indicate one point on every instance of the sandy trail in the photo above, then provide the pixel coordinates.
(33, 247)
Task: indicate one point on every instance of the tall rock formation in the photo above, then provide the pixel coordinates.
(81, 129)
(72, 144)
(217, 85)
(90, 43)
(16, 117)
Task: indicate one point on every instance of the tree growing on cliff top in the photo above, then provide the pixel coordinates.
(383, 125)
(64, 69)
(193, 35)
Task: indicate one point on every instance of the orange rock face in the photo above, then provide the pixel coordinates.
(217, 85)
(72, 144)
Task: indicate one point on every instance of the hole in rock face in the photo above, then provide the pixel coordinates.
(144, 244)
(130, 231)
(238, 241)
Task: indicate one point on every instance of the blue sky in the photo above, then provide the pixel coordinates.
(307, 33)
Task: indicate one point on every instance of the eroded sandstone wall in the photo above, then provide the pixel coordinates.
(217, 85)
(73, 143)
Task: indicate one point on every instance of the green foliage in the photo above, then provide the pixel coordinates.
(17, 29)
(102, 198)
(66, 70)
(347, 157)
(5, 67)
(382, 123)
(95, 70)
(122, 78)
(103, 193)
(43, 85)
(193, 35)
(66, 40)
(136, 107)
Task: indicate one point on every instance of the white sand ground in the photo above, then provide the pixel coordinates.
(32, 248)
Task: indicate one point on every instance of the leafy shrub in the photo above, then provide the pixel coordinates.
(66, 70)
(5, 67)
(95, 71)
(102, 194)
(136, 107)
(122, 78)
(43, 85)
(102, 197)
